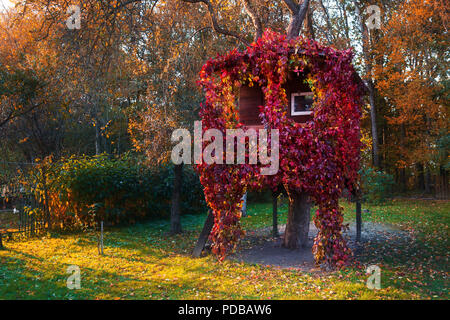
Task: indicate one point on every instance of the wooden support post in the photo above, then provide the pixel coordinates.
(207, 227)
(275, 214)
(244, 205)
(1, 241)
(358, 220)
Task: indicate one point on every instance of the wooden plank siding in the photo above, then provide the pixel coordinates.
(250, 98)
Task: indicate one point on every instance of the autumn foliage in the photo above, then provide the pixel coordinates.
(320, 157)
(79, 192)
(409, 68)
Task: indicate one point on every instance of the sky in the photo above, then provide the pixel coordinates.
(5, 4)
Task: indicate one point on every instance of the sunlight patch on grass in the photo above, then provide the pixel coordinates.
(144, 262)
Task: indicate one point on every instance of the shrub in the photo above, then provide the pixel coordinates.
(83, 191)
(377, 185)
(192, 196)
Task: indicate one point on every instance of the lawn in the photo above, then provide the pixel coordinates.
(143, 262)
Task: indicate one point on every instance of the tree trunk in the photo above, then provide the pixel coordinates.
(420, 177)
(275, 214)
(297, 226)
(309, 25)
(373, 121)
(298, 16)
(428, 181)
(97, 138)
(444, 179)
(370, 86)
(175, 223)
(403, 179)
(251, 11)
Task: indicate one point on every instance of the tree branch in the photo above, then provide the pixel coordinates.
(292, 5)
(327, 19)
(251, 11)
(215, 24)
(309, 25)
(13, 115)
(297, 18)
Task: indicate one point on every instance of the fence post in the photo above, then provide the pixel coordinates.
(101, 237)
(24, 222)
(32, 226)
(46, 208)
(20, 220)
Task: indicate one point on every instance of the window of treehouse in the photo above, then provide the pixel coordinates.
(301, 103)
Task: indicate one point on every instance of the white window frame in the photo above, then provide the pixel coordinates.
(299, 113)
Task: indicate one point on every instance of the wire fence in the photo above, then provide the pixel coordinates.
(21, 219)
(20, 214)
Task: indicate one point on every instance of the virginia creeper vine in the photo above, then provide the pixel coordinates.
(320, 157)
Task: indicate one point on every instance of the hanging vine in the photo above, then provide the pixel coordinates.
(319, 157)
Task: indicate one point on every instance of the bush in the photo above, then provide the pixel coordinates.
(83, 191)
(377, 185)
(192, 196)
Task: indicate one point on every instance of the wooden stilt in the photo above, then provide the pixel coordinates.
(275, 215)
(244, 205)
(207, 227)
(358, 220)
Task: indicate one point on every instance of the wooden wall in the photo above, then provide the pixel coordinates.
(250, 98)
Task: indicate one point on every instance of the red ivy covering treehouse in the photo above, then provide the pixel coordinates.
(319, 157)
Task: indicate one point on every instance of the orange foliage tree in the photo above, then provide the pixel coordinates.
(410, 71)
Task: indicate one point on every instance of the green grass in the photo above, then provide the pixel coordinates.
(143, 262)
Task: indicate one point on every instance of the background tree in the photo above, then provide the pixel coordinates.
(411, 69)
(126, 78)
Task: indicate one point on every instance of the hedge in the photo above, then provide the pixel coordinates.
(84, 190)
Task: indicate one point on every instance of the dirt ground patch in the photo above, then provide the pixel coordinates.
(259, 247)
